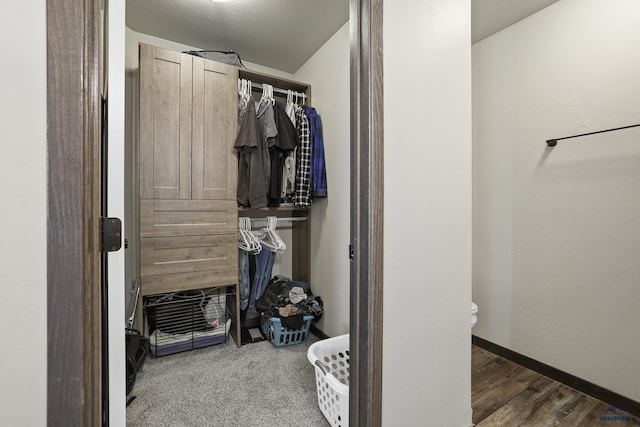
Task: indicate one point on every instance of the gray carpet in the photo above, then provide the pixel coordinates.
(225, 386)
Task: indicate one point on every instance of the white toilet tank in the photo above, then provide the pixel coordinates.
(474, 314)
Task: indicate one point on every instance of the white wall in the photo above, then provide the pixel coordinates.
(557, 230)
(328, 73)
(427, 213)
(23, 260)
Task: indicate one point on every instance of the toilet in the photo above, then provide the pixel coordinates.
(474, 314)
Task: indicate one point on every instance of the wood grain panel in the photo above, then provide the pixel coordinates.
(590, 389)
(220, 118)
(503, 383)
(165, 124)
(214, 130)
(74, 329)
(145, 211)
(576, 412)
(534, 406)
(505, 393)
(188, 212)
(367, 208)
(482, 361)
(145, 135)
(164, 283)
(185, 254)
(187, 217)
(166, 128)
(301, 239)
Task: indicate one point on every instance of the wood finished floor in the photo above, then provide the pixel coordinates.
(506, 394)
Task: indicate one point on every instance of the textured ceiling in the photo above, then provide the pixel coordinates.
(280, 34)
(283, 34)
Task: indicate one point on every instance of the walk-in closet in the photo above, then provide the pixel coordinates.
(239, 200)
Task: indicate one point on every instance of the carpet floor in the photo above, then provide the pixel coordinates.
(226, 386)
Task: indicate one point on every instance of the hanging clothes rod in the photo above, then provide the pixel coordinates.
(282, 91)
(258, 86)
(289, 219)
(553, 142)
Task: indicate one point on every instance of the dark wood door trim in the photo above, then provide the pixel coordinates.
(73, 176)
(73, 136)
(365, 385)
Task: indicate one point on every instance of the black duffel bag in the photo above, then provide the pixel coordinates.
(137, 348)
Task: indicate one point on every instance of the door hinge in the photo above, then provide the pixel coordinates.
(110, 234)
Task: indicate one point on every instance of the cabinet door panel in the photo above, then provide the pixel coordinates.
(168, 255)
(152, 285)
(165, 124)
(214, 130)
(166, 218)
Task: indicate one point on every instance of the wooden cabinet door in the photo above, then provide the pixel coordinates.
(187, 244)
(165, 123)
(215, 117)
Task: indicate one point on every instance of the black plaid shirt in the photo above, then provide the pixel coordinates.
(301, 196)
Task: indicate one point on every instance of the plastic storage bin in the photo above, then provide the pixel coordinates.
(330, 359)
(280, 335)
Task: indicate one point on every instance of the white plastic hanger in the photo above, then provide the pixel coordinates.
(243, 240)
(268, 237)
(246, 239)
(265, 93)
(257, 247)
(244, 90)
(272, 223)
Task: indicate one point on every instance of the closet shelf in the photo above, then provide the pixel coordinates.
(259, 78)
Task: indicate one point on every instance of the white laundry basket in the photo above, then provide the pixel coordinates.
(330, 359)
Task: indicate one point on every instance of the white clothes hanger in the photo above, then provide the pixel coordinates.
(269, 238)
(257, 247)
(265, 93)
(246, 239)
(272, 223)
(243, 240)
(266, 240)
(244, 90)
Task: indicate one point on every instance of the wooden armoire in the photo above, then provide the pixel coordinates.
(187, 172)
(187, 176)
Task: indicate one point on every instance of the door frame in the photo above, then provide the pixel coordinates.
(367, 208)
(73, 183)
(73, 210)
